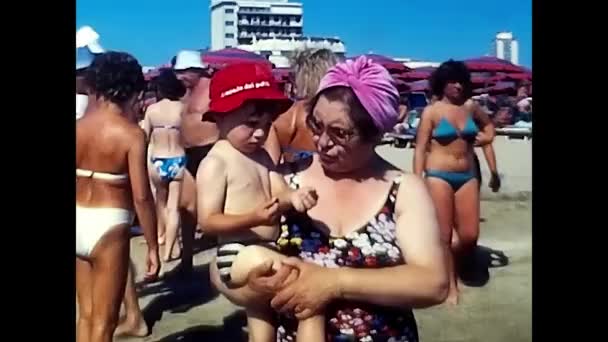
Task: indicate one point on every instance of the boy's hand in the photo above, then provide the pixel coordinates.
(304, 199)
(268, 213)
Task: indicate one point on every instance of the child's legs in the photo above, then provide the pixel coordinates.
(249, 258)
(311, 329)
(257, 306)
(260, 325)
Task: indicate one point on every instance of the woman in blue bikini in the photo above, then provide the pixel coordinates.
(167, 161)
(444, 153)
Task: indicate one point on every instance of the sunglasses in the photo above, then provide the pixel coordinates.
(339, 136)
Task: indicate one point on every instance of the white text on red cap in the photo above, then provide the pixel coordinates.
(246, 86)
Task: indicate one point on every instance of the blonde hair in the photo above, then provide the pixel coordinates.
(310, 65)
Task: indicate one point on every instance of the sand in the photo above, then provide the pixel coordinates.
(500, 310)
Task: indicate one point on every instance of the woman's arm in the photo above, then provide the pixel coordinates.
(147, 125)
(273, 146)
(488, 152)
(423, 136)
(487, 134)
(142, 198)
(490, 155)
(423, 281)
(281, 133)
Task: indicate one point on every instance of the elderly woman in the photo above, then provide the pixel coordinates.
(449, 130)
(372, 243)
(289, 135)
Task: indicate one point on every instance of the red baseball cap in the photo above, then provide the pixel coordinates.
(235, 84)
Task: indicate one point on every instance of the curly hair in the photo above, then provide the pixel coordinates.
(168, 86)
(310, 66)
(451, 71)
(115, 76)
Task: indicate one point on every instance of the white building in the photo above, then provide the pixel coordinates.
(506, 47)
(413, 64)
(237, 22)
(280, 50)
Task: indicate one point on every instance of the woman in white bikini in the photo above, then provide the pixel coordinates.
(111, 182)
(167, 163)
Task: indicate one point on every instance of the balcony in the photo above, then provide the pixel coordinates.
(254, 10)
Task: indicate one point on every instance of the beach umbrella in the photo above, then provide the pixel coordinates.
(492, 64)
(390, 64)
(497, 88)
(422, 85)
(415, 75)
(224, 57)
(513, 77)
(401, 85)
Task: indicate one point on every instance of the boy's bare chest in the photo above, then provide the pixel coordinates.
(248, 180)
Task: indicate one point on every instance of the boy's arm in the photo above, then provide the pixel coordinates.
(280, 190)
(211, 194)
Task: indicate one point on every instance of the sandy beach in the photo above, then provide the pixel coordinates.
(499, 310)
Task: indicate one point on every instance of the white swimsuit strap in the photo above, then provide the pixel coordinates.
(100, 175)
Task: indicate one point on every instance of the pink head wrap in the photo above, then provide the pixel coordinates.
(373, 86)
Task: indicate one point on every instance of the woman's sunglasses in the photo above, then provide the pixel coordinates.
(338, 135)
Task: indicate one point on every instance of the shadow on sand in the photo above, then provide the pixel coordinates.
(232, 330)
(475, 273)
(179, 292)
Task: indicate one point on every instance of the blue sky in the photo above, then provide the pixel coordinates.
(154, 30)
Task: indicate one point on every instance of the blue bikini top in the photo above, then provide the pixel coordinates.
(446, 131)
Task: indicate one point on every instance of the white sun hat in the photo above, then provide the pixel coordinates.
(87, 37)
(187, 59)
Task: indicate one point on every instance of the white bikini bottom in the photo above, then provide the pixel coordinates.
(93, 223)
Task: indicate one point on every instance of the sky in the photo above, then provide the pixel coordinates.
(154, 30)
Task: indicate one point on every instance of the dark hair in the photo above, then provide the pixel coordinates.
(168, 86)
(451, 71)
(117, 76)
(363, 121)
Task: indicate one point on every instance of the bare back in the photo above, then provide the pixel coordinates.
(102, 145)
(163, 125)
(196, 132)
(248, 185)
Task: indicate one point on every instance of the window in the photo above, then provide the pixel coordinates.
(229, 35)
(229, 23)
(229, 10)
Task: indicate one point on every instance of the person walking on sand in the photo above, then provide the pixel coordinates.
(111, 181)
(445, 141)
(162, 124)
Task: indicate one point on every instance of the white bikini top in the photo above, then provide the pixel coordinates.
(101, 175)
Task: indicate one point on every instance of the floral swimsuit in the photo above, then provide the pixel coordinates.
(372, 246)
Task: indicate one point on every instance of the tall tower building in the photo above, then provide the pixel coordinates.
(506, 47)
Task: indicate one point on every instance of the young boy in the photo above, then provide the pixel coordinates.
(241, 197)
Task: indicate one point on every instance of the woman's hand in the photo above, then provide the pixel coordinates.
(494, 183)
(315, 288)
(264, 279)
(152, 264)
